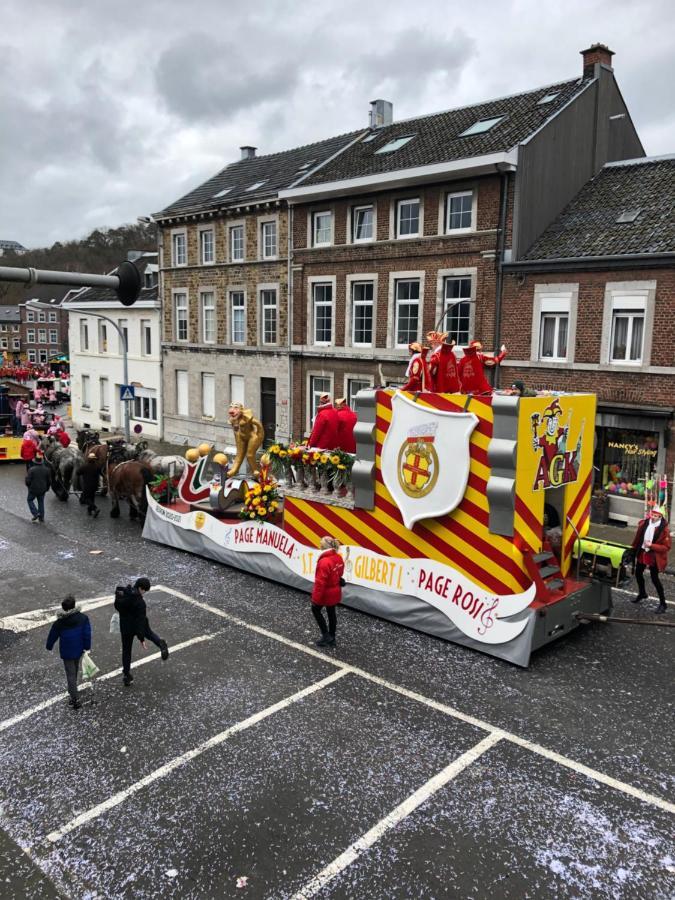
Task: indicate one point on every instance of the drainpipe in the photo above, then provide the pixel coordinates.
(289, 323)
(501, 241)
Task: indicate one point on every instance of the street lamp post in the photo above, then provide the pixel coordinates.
(125, 361)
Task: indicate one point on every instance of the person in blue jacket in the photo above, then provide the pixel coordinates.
(72, 630)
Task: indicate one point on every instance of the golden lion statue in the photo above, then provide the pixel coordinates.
(248, 435)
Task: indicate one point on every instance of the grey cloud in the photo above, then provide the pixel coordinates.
(200, 77)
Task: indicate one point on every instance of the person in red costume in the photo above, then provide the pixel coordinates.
(471, 368)
(443, 371)
(417, 372)
(325, 431)
(346, 422)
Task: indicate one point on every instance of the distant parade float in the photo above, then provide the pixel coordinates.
(459, 515)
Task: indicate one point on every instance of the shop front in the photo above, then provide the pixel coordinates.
(630, 458)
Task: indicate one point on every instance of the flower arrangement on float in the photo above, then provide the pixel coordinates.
(163, 488)
(261, 500)
(297, 462)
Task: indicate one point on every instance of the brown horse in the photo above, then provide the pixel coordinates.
(127, 481)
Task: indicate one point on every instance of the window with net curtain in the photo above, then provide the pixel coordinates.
(554, 335)
(627, 335)
(407, 311)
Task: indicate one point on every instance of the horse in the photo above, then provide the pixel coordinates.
(162, 465)
(64, 463)
(87, 438)
(127, 481)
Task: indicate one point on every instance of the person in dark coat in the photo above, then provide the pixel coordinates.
(38, 481)
(90, 474)
(324, 434)
(327, 589)
(72, 630)
(651, 544)
(346, 422)
(130, 604)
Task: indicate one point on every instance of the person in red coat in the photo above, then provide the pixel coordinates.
(443, 371)
(325, 431)
(346, 421)
(471, 367)
(651, 544)
(327, 590)
(417, 372)
(29, 447)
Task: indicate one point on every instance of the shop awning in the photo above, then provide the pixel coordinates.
(629, 415)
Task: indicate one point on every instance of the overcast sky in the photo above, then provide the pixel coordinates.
(110, 109)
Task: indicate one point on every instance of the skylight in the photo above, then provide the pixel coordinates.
(369, 137)
(306, 165)
(629, 215)
(258, 184)
(396, 144)
(223, 192)
(481, 126)
(547, 98)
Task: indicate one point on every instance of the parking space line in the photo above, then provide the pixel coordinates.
(632, 594)
(27, 713)
(569, 763)
(184, 758)
(36, 618)
(401, 812)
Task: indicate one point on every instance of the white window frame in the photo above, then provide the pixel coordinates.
(353, 210)
(232, 226)
(349, 377)
(103, 394)
(314, 217)
(441, 279)
(237, 389)
(42, 335)
(203, 307)
(146, 330)
(179, 260)
(53, 335)
(311, 395)
(3, 344)
(32, 356)
(352, 282)
(399, 204)
(309, 305)
(203, 231)
(176, 293)
(42, 355)
(320, 287)
(208, 378)
(30, 315)
(472, 223)
(264, 222)
(86, 391)
(179, 380)
(102, 336)
(84, 336)
(123, 325)
(53, 317)
(136, 411)
(42, 316)
(231, 311)
(392, 305)
(30, 335)
(556, 316)
(16, 344)
(552, 298)
(624, 295)
(262, 290)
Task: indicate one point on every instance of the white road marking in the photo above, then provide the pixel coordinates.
(632, 594)
(402, 811)
(440, 707)
(27, 713)
(36, 618)
(184, 758)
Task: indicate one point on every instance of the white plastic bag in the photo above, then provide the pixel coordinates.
(115, 623)
(89, 667)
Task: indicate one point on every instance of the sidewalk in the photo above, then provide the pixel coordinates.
(619, 535)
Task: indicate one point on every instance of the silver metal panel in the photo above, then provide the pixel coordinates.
(502, 456)
(363, 471)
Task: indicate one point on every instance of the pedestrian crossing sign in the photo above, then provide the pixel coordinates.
(127, 392)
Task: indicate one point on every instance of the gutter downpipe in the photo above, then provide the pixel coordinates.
(289, 324)
(501, 241)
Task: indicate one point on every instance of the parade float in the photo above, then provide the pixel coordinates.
(459, 515)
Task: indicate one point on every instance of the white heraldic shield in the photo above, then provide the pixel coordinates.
(425, 459)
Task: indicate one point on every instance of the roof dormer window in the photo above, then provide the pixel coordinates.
(481, 126)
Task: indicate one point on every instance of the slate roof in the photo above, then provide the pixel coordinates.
(45, 293)
(588, 225)
(278, 170)
(437, 136)
(10, 314)
(12, 245)
(108, 295)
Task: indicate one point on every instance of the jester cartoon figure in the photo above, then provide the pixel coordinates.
(471, 368)
(552, 441)
(417, 372)
(443, 371)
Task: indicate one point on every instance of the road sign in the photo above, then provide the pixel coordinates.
(127, 392)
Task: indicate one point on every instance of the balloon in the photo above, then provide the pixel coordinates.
(192, 455)
(204, 449)
(220, 459)
(650, 485)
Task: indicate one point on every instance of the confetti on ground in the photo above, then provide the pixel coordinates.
(242, 881)
(171, 873)
(95, 552)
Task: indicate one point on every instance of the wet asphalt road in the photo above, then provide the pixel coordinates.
(277, 801)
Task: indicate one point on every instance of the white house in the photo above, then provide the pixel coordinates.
(96, 355)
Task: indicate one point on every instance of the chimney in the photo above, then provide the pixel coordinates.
(596, 53)
(248, 152)
(381, 113)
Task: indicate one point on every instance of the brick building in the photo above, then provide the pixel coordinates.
(416, 218)
(590, 308)
(224, 283)
(44, 333)
(10, 333)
